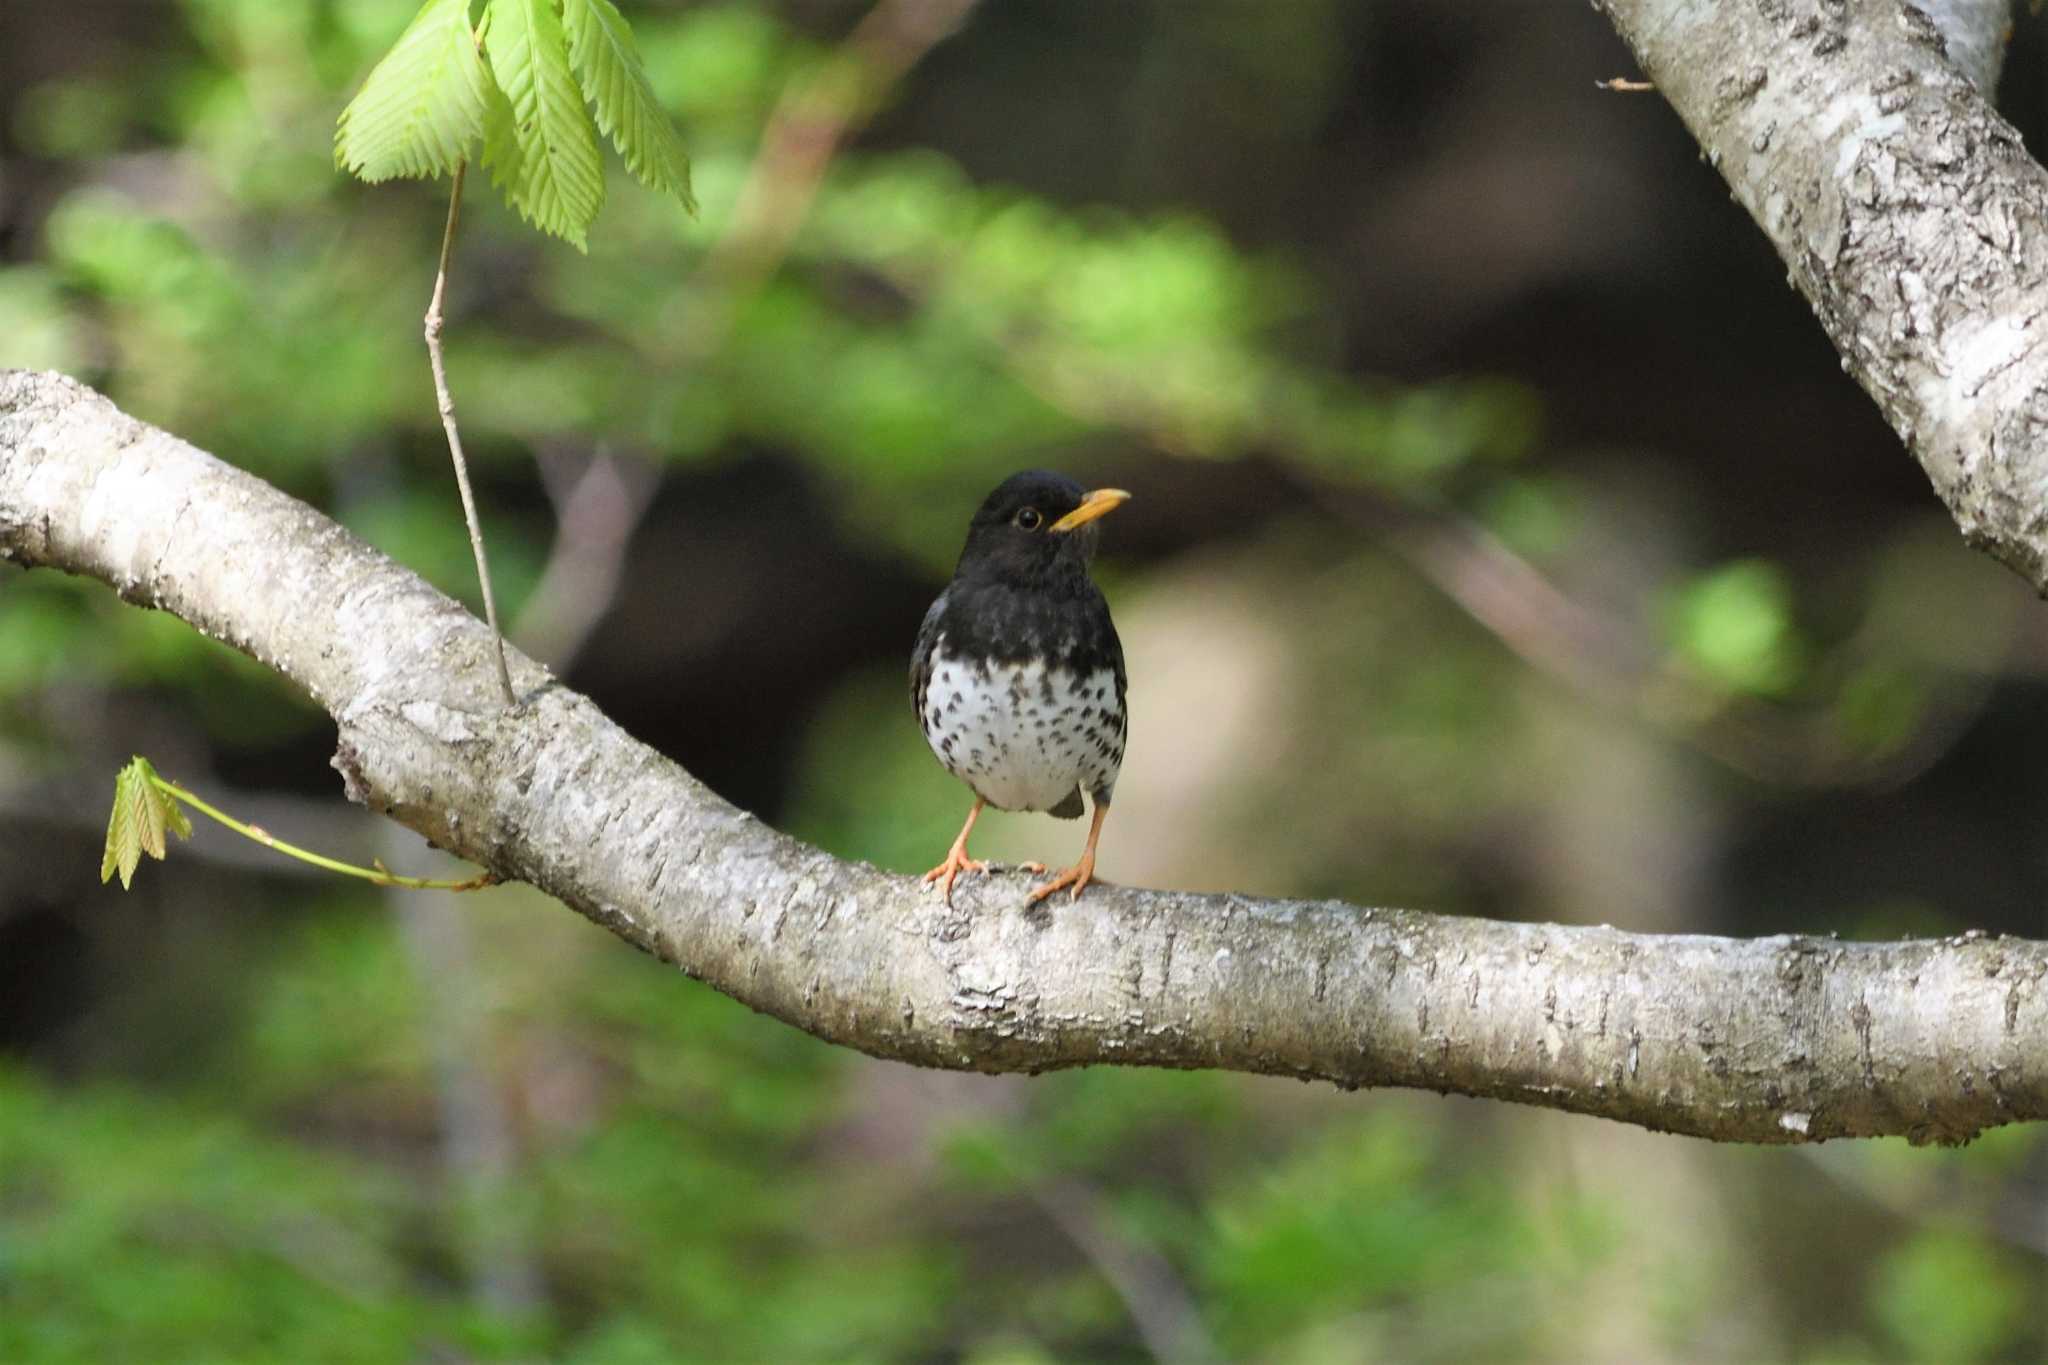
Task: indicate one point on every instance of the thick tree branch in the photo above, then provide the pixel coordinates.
(1906, 210)
(1770, 1040)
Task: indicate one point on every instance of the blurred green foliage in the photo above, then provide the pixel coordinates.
(251, 1170)
(147, 1228)
(1947, 1296)
(1735, 626)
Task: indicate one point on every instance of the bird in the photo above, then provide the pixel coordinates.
(1018, 674)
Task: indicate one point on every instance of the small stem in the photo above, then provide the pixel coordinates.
(447, 405)
(368, 874)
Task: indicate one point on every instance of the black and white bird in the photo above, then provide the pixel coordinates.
(1018, 676)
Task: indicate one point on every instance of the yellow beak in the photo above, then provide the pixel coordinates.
(1099, 503)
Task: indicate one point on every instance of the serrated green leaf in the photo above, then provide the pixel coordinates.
(124, 849)
(502, 155)
(422, 107)
(150, 819)
(542, 148)
(142, 812)
(609, 70)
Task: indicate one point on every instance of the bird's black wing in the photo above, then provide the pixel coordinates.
(1116, 657)
(1112, 646)
(921, 656)
(1105, 647)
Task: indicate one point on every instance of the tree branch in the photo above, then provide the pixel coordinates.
(1906, 211)
(1782, 1039)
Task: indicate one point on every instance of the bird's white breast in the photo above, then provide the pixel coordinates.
(1023, 735)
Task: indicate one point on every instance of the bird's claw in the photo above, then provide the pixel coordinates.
(1078, 876)
(956, 862)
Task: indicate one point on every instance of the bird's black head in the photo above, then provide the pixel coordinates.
(1036, 526)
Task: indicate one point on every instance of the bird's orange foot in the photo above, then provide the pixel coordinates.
(1078, 876)
(956, 862)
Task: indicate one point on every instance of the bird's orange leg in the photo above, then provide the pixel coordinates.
(957, 860)
(1080, 874)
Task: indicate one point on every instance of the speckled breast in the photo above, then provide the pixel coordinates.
(1024, 735)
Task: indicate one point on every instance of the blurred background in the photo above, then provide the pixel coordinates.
(1507, 542)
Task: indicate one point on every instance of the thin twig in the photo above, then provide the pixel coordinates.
(447, 405)
(379, 874)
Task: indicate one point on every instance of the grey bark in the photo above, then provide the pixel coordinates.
(1906, 211)
(1781, 1039)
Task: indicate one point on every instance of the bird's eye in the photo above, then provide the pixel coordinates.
(1029, 519)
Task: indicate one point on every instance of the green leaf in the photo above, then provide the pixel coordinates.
(174, 815)
(540, 145)
(124, 847)
(609, 69)
(142, 812)
(422, 107)
(149, 821)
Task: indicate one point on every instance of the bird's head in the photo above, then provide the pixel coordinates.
(1036, 524)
